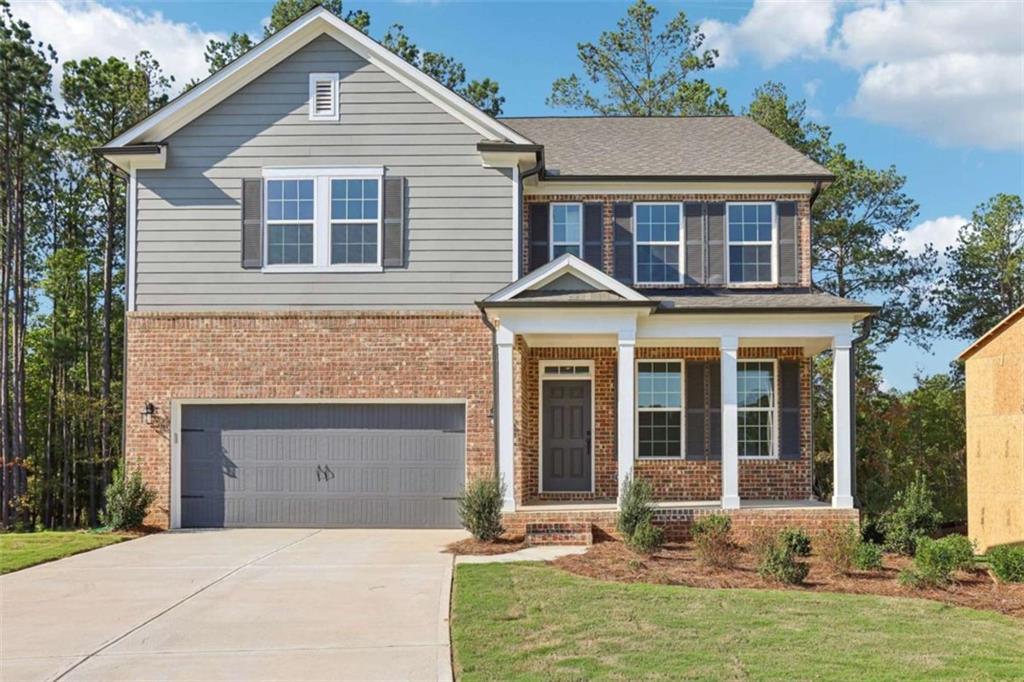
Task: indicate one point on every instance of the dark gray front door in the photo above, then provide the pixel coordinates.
(325, 465)
(566, 440)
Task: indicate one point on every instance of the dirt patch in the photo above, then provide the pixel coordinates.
(502, 545)
(678, 565)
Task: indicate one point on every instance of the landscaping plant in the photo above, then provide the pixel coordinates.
(868, 556)
(128, 497)
(797, 540)
(480, 508)
(937, 560)
(1007, 562)
(713, 540)
(647, 538)
(912, 517)
(837, 547)
(777, 561)
(636, 505)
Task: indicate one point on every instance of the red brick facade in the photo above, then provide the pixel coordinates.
(608, 202)
(301, 356)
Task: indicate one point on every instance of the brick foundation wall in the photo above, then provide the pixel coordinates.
(677, 522)
(308, 356)
(803, 218)
(672, 480)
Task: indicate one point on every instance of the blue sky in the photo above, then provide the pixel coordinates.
(936, 89)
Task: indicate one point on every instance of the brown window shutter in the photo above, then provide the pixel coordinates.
(696, 410)
(593, 232)
(394, 222)
(716, 243)
(789, 409)
(714, 405)
(786, 213)
(540, 248)
(693, 222)
(623, 241)
(252, 223)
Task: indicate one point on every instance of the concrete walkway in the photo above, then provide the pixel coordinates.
(538, 553)
(235, 604)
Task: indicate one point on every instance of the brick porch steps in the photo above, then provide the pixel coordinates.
(559, 533)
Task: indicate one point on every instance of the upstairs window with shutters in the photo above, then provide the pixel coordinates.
(566, 230)
(659, 233)
(751, 234)
(323, 97)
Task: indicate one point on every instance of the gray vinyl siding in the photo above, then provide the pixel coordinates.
(189, 221)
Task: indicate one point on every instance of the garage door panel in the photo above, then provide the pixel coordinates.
(322, 465)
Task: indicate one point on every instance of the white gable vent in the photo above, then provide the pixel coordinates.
(323, 97)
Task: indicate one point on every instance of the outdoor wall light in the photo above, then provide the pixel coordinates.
(148, 410)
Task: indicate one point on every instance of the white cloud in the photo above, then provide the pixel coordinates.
(950, 71)
(773, 31)
(86, 29)
(940, 233)
(812, 87)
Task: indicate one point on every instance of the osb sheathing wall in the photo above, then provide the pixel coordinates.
(995, 439)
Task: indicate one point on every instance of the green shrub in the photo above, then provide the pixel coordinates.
(647, 538)
(128, 498)
(480, 508)
(912, 517)
(636, 506)
(778, 563)
(908, 577)
(937, 560)
(837, 546)
(1007, 562)
(797, 540)
(868, 556)
(713, 540)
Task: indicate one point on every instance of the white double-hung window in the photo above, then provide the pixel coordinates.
(659, 252)
(659, 409)
(756, 404)
(751, 232)
(323, 219)
(566, 230)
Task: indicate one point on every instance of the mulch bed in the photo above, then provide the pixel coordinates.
(677, 564)
(473, 546)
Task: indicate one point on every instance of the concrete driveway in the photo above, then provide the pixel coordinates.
(235, 604)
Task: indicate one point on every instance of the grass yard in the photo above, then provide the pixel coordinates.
(532, 621)
(21, 550)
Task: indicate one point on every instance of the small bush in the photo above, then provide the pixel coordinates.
(797, 541)
(128, 497)
(908, 577)
(937, 560)
(636, 506)
(713, 540)
(761, 539)
(912, 517)
(480, 508)
(1007, 562)
(647, 538)
(837, 547)
(868, 557)
(778, 563)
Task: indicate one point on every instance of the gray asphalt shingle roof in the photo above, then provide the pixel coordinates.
(699, 146)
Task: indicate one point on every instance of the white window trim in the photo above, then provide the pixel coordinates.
(637, 410)
(541, 378)
(774, 243)
(681, 243)
(551, 229)
(321, 178)
(335, 81)
(775, 409)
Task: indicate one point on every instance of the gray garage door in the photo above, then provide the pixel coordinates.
(372, 466)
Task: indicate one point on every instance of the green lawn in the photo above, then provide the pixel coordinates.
(21, 550)
(534, 622)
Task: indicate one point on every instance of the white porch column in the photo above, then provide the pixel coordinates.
(625, 389)
(842, 479)
(504, 340)
(730, 425)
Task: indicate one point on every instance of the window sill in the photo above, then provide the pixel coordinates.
(291, 269)
(752, 285)
(756, 458)
(660, 459)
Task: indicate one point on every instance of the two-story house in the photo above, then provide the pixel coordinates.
(350, 291)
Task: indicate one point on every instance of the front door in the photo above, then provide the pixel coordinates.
(566, 436)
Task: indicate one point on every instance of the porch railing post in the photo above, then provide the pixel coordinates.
(842, 424)
(504, 340)
(730, 424)
(625, 411)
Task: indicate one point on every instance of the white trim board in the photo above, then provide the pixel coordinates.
(270, 52)
(554, 269)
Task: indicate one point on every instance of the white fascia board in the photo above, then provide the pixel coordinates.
(744, 326)
(283, 44)
(566, 263)
(570, 321)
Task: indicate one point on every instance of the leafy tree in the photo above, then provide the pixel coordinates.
(984, 278)
(788, 121)
(641, 73)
